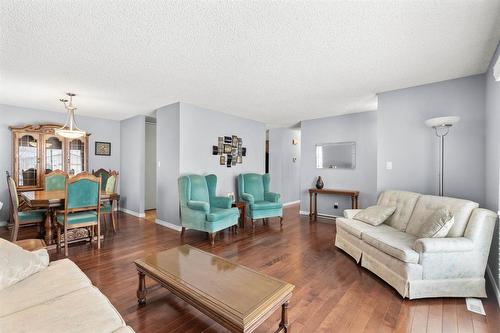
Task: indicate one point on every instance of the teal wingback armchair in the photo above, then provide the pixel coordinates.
(253, 189)
(201, 209)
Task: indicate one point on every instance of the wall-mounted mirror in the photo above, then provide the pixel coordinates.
(339, 155)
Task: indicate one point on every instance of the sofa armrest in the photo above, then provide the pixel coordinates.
(222, 202)
(270, 196)
(247, 197)
(443, 245)
(199, 205)
(350, 213)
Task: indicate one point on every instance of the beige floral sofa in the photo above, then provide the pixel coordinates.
(36, 296)
(453, 266)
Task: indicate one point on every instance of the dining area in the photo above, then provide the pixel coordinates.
(51, 189)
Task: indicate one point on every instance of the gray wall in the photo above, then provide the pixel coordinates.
(493, 158)
(358, 127)
(132, 164)
(285, 174)
(186, 134)
(413, 148)
(150, 165)
(200, 129)
(168, 156)
(100, 129)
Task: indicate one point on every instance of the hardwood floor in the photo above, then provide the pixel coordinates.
(333, 293)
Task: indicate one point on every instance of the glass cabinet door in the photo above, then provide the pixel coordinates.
(28, 162)
(54, 154)
(76, 157)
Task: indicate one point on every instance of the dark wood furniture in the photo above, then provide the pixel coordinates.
(53, 200)
(243, 211)
(37, 150)
(313, 199)
(235, 296)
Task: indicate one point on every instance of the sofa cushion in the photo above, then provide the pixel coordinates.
(61, 277)
(17, 264)
(84, 310)
(438, 225)
(261, 204)
(220, 213)
(375, 215)
(428, 204)
(356, 228)
(393, 242)
(404, 203)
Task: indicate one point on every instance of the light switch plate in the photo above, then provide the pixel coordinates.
(388, 165)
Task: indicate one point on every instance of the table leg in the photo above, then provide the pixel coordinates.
(284, 318)
(356, 203)
(315, 206)
(141, 291)
(243, 216)
(48, 227)
(353, 202)
(310, 206)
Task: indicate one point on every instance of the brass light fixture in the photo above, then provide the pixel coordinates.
(70, 130)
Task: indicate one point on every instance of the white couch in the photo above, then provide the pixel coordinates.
(59, 298)
(453, 266)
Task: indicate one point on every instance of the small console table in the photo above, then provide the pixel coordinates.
(313, 199)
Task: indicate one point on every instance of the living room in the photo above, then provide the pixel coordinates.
(250, 166)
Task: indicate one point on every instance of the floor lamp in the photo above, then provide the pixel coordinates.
(441, 126)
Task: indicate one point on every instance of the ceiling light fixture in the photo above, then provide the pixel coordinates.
(70, 130)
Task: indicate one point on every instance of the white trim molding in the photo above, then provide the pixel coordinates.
(326, 216)
(291, 203)
(169, 225)
(131, 212)
(494, 284)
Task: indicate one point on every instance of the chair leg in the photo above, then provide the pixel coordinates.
(58, 237)
(65, 239)
(281, 221)
(253, 225)
(182, 231)
(236, 227)
(98, 235)
(113, 220)
(212, 238)
(15, 231)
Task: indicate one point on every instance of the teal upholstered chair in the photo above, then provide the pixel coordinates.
(81, 208)
(253, 189)
(103, 174)
(55, 181)
(107, 207)
(24, 218)
(201, 209)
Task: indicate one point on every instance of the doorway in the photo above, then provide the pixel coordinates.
(150, 167)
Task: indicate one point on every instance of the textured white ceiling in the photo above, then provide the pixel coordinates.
(274, 61)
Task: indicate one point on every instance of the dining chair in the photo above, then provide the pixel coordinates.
(107, 207)
(103, 174)
(55, 181)
(81, 208)
(24, 218)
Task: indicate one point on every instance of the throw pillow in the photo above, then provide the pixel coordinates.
(16, 264)
(437, 225)
(375, 215)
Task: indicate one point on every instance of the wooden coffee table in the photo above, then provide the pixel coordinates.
(237, 297)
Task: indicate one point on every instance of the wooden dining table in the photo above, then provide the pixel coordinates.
(52, 200)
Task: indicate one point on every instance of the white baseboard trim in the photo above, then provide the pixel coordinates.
(291, 203)
(169, 225)
(131, 212)
(327, 216)
(3, 223)
(494, 284)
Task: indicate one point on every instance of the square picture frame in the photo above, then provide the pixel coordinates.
(102, 148)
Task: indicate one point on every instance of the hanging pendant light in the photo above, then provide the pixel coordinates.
(70, 130)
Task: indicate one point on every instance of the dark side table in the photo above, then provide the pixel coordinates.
(243, 210)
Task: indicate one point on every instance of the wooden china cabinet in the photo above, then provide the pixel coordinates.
(37, 150)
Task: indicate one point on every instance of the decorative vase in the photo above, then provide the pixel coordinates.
(319, 183)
